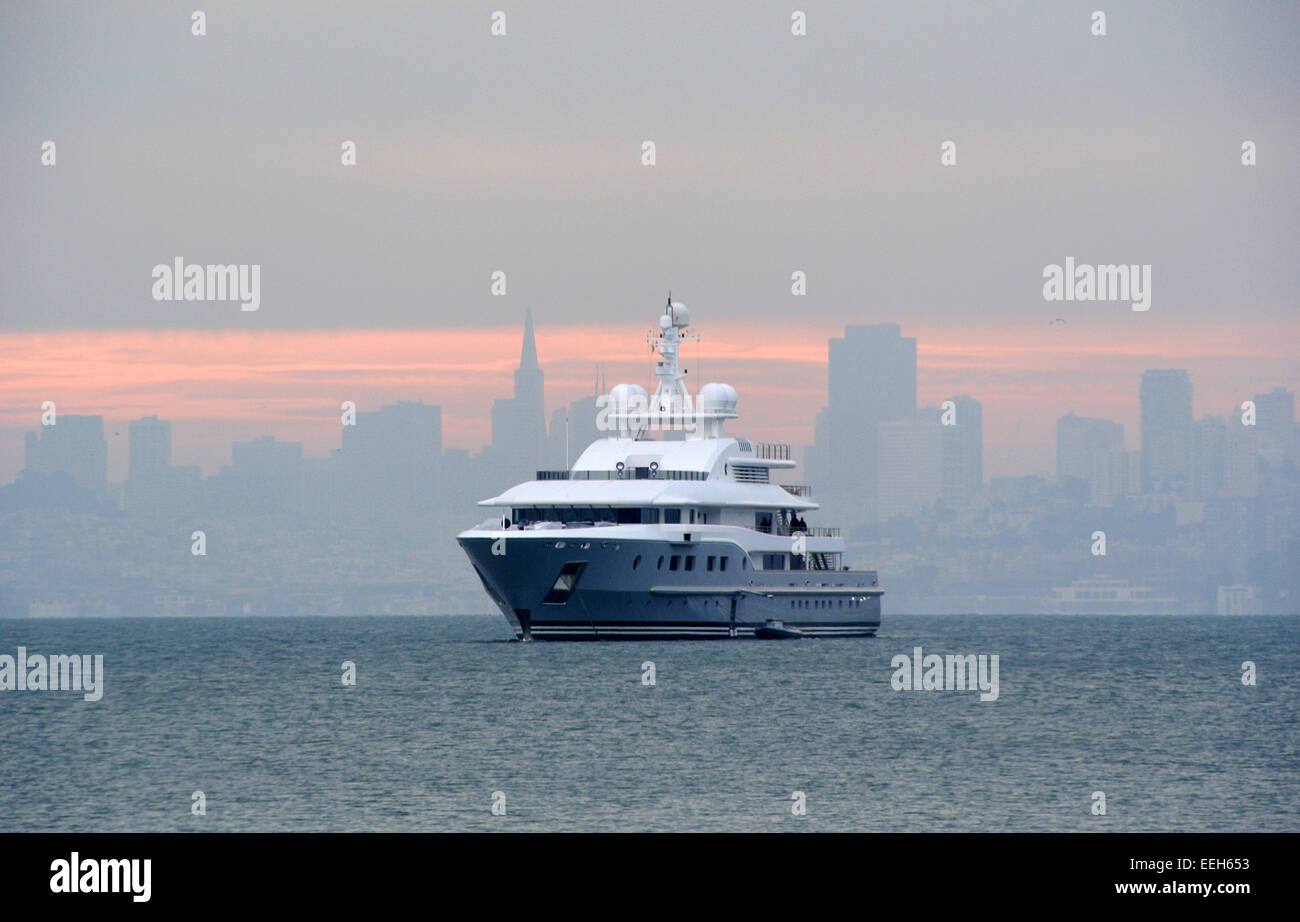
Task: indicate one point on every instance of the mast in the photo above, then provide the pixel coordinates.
(670, 397)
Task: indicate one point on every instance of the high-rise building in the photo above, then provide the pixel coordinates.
(573, 428)
(1113, 476)
(909, 464)
(73, 445)
(1078, 438)
(266, 457)
(392, 457)
(519, 423)
(1275, 419)
(1166, 396)
(151, 447)
(152, 484)
(395, 439)
(1206, 447)
(265, 475)
(1240, 459)
(872, 378)
(962, 436)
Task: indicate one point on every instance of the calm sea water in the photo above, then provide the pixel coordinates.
(252, 712)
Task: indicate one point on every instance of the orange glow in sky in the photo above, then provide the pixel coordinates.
(219, 386)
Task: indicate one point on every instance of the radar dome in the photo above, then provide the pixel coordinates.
(718, 397)
(628, 395)
(681, 316)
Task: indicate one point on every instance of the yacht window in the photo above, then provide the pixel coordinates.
(773, 561)
(637, 562)
(674, 561)
(565, 583)
(711, 561)
(692, 522)
(690, 562)
(660, 566)
(672, 516)
(650, 515)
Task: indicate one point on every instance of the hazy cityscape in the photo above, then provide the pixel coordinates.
(1186, 516)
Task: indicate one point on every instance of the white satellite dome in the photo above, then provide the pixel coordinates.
(627, 404)
(716, 397)
(622, 395)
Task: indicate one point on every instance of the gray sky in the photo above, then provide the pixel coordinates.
(521, 153)
(775, 153)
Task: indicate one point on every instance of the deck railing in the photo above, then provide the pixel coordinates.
(812, 531)
(629, 473)
(772, 451)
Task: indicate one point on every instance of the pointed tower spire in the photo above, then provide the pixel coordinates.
(528, 355)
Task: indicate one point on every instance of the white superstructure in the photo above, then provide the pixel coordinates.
(667, 527)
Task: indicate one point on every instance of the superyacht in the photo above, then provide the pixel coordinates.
(668, 528)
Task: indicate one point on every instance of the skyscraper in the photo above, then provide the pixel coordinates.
(963, 450)
(152, 484)
(266, 457)
(1275, 419)
(519, 423)
(909, 464)
(872, 378)
(573, 428)
(391, 458)
(1240, 459)
(75, 446)
(1078, 437)
(1113, 477)
(151, 447)
(1206, 454)
(1166, 396)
